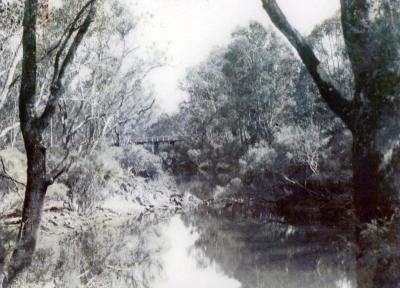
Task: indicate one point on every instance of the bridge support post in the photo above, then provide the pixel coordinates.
(156, 148)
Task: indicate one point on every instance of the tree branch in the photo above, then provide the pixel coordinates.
(63, 166)
(4, 174)
(10, 75)
(59, 70)
(29, 65)
(8, 129)
(336, 102)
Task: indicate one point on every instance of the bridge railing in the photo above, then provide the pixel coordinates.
(159, 139)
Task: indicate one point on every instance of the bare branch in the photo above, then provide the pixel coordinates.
(63, 166)
(140, 112)
(145, 109)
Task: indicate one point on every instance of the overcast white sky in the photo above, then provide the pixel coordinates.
(187, 30)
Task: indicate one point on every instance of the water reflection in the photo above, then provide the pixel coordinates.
(182, 262)
(269, 254)
(199, 250)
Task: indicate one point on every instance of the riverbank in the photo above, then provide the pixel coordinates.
(107, 189)
(328, 204)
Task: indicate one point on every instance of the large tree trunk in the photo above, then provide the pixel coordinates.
(36, 187)
(371, 32)
(33, 126)
(366, 164)
(376, 179)
(374, 195)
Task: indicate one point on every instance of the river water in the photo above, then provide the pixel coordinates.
(215, 251)
(197, 249)
(207, 250)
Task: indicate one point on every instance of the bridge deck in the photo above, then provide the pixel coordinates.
(163, 139)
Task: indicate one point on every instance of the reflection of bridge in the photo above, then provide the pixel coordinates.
(156, 141)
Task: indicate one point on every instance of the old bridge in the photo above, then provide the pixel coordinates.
(156, 141)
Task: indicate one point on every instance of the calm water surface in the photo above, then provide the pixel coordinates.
(198, 250)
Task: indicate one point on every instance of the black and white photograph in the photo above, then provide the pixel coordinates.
(199, 143)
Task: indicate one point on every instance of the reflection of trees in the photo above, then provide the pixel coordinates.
(275, 255)
(128, 253)
(113, 253)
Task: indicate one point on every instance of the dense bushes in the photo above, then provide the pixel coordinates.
(12, 180)
(90, 180)
(140, 162)
(305, 171)
(108, 171)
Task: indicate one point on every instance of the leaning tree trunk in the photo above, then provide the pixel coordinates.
(36, 187)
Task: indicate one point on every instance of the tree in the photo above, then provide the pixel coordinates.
(243, 91)
(10, 58)
(260, 85)
(371, 33)
(34, 124)
(104, 98)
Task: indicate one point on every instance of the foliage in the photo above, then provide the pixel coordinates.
(13, 177)
(254, 115)
(103, 97)
(140, 162)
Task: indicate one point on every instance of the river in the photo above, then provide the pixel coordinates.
(205, 250)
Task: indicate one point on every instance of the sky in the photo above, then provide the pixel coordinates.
(186, 31)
